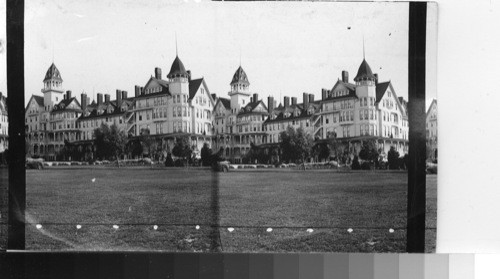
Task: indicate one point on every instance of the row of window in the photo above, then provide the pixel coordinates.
(367, 101)
(367, 115)
(346, 116)
(368, 130)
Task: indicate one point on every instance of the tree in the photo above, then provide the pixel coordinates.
(296, 144)
(393, 158)
(134, 148)
(355, 164)
(322, 151)
(206, 153)
(369, 152)
(182, 148)
(110, 142)
(151, 146)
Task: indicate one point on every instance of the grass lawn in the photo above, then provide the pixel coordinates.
(177, 200)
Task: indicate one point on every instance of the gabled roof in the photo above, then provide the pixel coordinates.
(381, 89)
(194, 85)
(38, 99)
(52, 74)
(177, 69)
(280, 111)
(225, 102)
(252, 107)
(161, 82)
(3, 103)
(240, 77)
(433, 103)
(364, 72)
(65, 103)
(351, 88)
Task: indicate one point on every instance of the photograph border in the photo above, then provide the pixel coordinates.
(416, 206)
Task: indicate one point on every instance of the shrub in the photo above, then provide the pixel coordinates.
(355, 164)
(366, 166)
(169, 162)
(393, 158)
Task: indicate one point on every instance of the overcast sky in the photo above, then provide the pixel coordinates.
(285, 48)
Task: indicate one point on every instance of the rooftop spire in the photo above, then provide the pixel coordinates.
(176, 53)
(363, 47)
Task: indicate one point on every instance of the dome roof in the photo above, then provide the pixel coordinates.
(240, 77)
(53, 74)
(364, 72)
(177, 69)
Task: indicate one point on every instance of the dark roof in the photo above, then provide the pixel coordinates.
(161, 82)
(93, 112)
(194, 84)
(364, 72)
(64, 103)
(240, 77)
(280, 113)
(53, 74)
(225, 102)
(381, 88)
(434, 102)
(3, 103)
(350, 87)
(177, 69)
(38, 99)
(252, 106)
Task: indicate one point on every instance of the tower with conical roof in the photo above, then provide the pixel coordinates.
(178, 77)
(365, 81)
(240, 95)
(52, 87)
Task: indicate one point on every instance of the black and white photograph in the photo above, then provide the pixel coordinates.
(180, 126)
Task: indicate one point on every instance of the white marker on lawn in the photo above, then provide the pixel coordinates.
(391, 230)
(93, 179)
(310, 230)
(115, 227)
(78, 227)
(349, 230)
(197, 227)
(269, 229)
(38, 226)
(155, 227)
(230, 229)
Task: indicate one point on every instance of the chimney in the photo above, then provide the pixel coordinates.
(286, 102)
(345, 76)
(251, 99)
(142, 90)
(84, 101)
(106, 98)
(305, 99)
(376, 78)
(137, 90)
(118, 98)
(88, 101)
(311, 98)
(214, 96)
(275, 103)
(294, 101)
(68, 94)
(124, 95)
(255, 97)
(189, 75)
(324, 94)
(99, 99)
(158, 73)
(270, 104)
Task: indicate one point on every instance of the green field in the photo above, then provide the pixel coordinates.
(177, 200)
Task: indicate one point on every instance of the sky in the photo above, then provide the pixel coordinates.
(285, 48)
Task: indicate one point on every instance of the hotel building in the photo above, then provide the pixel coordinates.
(179, 106)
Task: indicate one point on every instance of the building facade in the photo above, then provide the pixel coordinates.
(4, 127)
(167, 108)
(50, 120)
(431, 131)
(238, 121)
